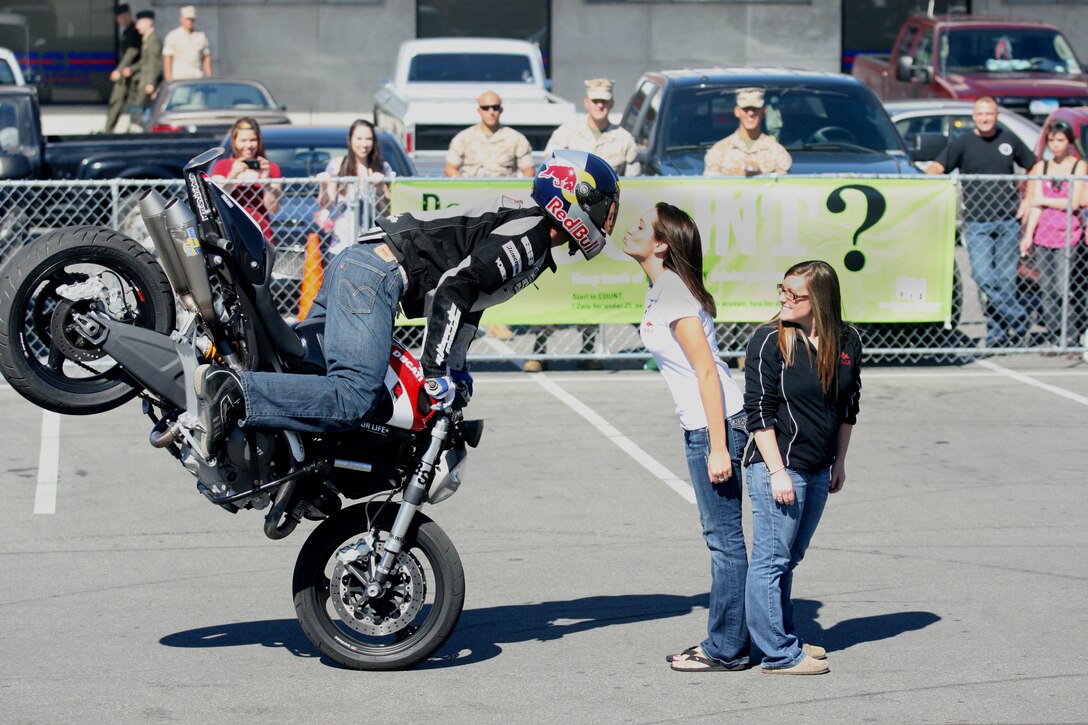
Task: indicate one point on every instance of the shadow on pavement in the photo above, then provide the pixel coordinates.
(481, 632)
(850, 632)
(285, 633)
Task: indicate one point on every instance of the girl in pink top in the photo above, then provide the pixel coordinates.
(248, 163)
(1054, 225)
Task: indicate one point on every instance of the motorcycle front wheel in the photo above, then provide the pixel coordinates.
(42, 354)
(400, 627)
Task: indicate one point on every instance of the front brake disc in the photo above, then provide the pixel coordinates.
(390, 611)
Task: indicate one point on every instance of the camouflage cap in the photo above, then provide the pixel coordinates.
(599, 89)
(750, 97)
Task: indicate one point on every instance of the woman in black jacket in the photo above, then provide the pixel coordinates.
(802, 385)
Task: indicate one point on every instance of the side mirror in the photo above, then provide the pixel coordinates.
(926, 146)
(903, 66)
(15, 166)
(548, 84)
(923, 74)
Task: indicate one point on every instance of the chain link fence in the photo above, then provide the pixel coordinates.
(1002, 301)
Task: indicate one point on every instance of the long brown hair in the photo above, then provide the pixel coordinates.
(349, 167)
(826, 300)
(245, 123)
(676, 228)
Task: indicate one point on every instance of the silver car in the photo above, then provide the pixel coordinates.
(927, 125)
(209, 105)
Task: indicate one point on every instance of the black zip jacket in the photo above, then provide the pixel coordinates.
(462, 260)
(790, 400)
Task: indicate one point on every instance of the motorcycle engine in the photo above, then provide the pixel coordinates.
(234, 472)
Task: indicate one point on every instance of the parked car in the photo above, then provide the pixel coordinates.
(210, 105)
(1077, 118)
(303, 152)
(1028, 66)
(830, 123)
(928, 124)
(436, 83)
(25, 154)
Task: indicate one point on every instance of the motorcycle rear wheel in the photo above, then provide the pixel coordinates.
(42, 355)
(415, 617)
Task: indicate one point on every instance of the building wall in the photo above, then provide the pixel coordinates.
(330, 57)
(623, 40)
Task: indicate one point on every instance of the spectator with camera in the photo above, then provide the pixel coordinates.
(247, 165)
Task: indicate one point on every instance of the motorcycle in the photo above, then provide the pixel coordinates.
(89, 320)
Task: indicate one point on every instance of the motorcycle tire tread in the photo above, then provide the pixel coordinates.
(351, 522)
(23, 265)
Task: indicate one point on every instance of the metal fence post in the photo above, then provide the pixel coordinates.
(1067, 266)
(115, 203)
(353, 207)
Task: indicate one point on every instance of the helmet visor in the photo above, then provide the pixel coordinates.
(610, 218)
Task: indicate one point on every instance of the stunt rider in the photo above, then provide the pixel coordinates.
(447, 266)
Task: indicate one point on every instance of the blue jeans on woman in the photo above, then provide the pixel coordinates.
(358, 300)
(780, 537)
(720, 514)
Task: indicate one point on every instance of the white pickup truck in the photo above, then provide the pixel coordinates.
(433, 94)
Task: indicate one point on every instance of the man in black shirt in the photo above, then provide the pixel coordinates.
(991, 217)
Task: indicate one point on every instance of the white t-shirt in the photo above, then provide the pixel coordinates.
(667, 301)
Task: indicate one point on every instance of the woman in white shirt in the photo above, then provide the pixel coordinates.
(363, 162)
(678, 330)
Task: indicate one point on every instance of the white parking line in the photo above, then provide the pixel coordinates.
(637, 376)
(625, 444)
(45, 496)
(1021, 377)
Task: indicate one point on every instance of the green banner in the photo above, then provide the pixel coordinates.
(890, 240)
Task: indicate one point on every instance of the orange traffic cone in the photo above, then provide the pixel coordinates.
(312, 275)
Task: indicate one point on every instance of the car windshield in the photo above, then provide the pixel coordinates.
(299, 160)
(16, 131)
(470, 68)
(1004, 50)
(216, 96)
(799, 116)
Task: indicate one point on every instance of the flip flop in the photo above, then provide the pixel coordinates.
(708, 665)
(689, 652)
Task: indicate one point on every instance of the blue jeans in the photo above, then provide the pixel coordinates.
(358, 300)
(994, 248)
(780, 537)
(720, 514)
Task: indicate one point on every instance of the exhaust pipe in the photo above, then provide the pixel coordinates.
(152, 209)
(180, 225)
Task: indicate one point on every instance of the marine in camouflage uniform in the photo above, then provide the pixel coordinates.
(123, 76)
(489, 149)
(595, 134)
(748, 151)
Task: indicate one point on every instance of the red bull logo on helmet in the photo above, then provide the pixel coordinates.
(565, 178)
(574, 227)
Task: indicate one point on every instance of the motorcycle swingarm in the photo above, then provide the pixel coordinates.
(149, 357)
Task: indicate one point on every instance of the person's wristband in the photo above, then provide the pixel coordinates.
(777, 470)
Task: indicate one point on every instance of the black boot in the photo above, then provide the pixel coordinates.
(221, 405)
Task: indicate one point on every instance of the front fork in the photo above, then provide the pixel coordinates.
(414, 496)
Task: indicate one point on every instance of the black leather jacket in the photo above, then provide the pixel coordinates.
(462, 260)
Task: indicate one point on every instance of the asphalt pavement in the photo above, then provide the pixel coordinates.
(947, 580)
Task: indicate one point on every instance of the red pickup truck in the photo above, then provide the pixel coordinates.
(1028, 66)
